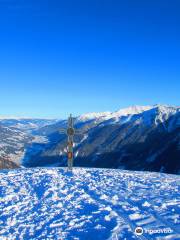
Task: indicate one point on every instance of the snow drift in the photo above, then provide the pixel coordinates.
(51, 203)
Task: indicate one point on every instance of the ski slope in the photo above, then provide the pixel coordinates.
(51, 203)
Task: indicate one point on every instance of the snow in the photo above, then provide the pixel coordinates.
(108, 115)
(40, 139)
(52, 203)
(26, 124)
(124, 115)
(93, 115)
(132, 110)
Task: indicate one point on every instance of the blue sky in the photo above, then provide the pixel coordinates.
(58, 57)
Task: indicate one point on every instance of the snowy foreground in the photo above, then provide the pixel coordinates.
(51, 203)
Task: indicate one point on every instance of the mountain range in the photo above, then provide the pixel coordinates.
(143, 138)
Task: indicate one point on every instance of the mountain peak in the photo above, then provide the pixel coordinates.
(133, 110)
(107, 115)
(93, 115)
(163, 107)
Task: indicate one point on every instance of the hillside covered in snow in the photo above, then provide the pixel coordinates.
(145, 138)
(15, 135)
(136, 138)
(51, 203)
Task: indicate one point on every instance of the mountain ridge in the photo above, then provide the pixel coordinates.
(134, 138)
(127, 141)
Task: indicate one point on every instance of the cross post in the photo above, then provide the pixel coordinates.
(70, 131)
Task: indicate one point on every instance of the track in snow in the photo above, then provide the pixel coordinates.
(51, 203)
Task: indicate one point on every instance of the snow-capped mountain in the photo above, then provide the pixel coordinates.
(137, 138)
(109, 115)
(163, 113)
(27, 124)
(42, 203)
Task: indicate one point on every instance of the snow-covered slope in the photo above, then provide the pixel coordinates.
(108, 115)
(12, 142)
(88, 204)
(163, 112)
(26, 124)
(16, 134)
(136, 138)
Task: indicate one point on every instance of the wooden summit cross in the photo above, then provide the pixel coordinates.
(70, 131)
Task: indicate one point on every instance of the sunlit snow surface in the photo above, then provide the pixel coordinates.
(87, 204)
